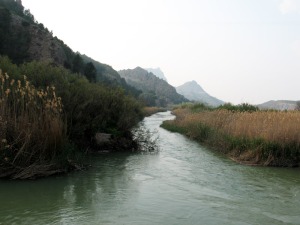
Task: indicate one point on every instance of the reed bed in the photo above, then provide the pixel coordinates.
(148, 111)
(274, 135)
(32, 129)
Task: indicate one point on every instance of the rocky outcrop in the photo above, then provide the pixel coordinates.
(43, 46)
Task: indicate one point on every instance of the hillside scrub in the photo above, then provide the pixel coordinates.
(38, 133)
(270, 138)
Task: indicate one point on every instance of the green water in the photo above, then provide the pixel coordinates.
(184, 183)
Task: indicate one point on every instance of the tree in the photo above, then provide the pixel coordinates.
(90, 72)
(77, 64)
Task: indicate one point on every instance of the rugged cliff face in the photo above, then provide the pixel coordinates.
(155, 90)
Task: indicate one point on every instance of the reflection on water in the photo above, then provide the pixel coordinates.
(183, 184)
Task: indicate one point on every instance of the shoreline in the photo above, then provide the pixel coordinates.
(245, 151)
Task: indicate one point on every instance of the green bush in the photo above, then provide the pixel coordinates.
(244, 107)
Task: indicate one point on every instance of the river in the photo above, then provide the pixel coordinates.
(185, 183)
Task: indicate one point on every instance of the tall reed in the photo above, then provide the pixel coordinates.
(32, 129)
(268, 133)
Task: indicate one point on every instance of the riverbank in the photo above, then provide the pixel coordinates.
(262, 138)
(184, 184)
(148, 111)
(50, 117)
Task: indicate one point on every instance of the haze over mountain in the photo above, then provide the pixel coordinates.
(155, 90)
(278, 105)
(194, 92)
(189, 39)
(157, 72)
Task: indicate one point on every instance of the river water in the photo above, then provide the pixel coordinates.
(185, 183)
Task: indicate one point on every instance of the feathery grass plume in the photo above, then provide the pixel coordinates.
(32, 130)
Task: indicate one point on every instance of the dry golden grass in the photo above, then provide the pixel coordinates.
(148, 111)
(254, 138)
(273, 126)
(31, 126)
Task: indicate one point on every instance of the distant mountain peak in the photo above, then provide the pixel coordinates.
(192, 86)
(157, 72)
(194, 92)
(278, 105)
(155, 90)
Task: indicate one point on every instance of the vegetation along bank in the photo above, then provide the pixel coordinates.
(244, 133)
(49, 118)
(67, 104)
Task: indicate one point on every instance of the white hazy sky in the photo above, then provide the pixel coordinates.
(237, 50)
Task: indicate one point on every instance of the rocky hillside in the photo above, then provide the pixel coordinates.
(157, 72)
(155, 90)
(194, 92)
(278, 105)
(23, 39)
(107, 75)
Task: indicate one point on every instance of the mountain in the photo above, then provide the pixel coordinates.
(104, 71)
(157, 72)
(23, 39)
(155, 90)
(106, 74)
(278, 105)
(194, 92)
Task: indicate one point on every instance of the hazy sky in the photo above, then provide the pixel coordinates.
(237, 50)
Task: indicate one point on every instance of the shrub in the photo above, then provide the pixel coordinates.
(244, 107)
